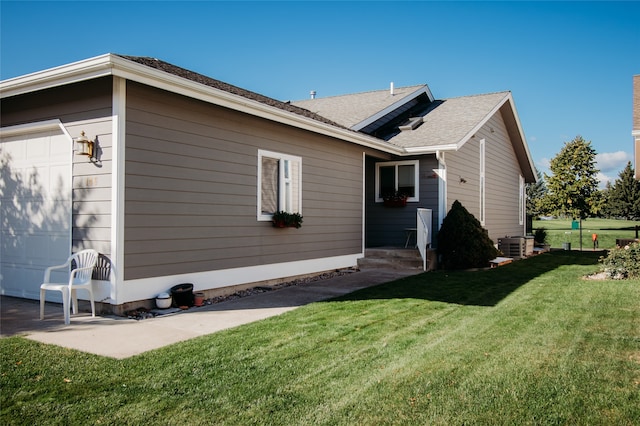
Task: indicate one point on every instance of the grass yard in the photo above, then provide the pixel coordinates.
(528, 343)
(560, 231)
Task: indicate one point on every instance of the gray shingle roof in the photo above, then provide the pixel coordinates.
(349, 110)
(447, 122)
(217, 84)
(450, 121)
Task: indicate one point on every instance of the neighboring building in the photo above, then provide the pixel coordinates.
(187, 170)
(636, 123)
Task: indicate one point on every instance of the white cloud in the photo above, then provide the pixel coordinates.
(603, 179)
(612, 161)
(543, 163)
(610, 165)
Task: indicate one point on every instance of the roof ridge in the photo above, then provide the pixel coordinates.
(479, 94)
(363, 93)
(227, 87)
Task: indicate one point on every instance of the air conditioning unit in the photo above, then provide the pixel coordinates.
(516, 247)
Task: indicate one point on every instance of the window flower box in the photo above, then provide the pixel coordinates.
(395, 200)
(284, 219)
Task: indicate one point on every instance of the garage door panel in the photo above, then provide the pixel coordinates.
(37, 148)
(13, 247)
(36, 210)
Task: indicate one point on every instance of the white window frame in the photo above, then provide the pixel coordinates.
(482, 183)
(416, 178)
(285, 187)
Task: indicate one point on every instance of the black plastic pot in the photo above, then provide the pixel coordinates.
(182, 294)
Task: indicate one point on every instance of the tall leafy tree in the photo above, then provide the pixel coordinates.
(624, 196)
(573, 184)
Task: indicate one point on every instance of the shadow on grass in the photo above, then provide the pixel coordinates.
(480, 288)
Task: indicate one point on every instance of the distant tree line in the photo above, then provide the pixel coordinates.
(571, 190)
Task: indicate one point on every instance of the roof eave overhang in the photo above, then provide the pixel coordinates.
(87, 69)
(529, 170)
(110, 64)
(418, 150)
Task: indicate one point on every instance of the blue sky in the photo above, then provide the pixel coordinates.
(569, 65)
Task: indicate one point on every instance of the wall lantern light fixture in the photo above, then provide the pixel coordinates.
(84, 146)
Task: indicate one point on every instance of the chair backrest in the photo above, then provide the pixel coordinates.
(84, 259)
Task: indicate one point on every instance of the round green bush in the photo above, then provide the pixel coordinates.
(622, 262)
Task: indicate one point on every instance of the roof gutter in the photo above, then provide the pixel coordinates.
(115, 65)
(87, 69)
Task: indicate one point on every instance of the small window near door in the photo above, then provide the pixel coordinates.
(397, 177)
(279, 184)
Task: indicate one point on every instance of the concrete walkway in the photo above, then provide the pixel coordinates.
(119, 337)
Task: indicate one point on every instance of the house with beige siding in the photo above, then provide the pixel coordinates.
(186, 172)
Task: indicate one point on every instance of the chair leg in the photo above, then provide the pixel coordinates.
(42, 295)
(74, 301)
(93, 303)
(65, 306)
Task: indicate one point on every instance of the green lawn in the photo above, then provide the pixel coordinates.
(527, 343)
(561, 230)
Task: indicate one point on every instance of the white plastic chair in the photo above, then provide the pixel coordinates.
(80, 278)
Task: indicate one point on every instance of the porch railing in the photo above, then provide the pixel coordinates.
(423, 234)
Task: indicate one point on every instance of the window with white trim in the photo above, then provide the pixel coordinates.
(397, 178)
(279, 184)
(482, 182)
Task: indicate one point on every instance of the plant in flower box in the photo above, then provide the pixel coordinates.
(395, 199)
(282, 219)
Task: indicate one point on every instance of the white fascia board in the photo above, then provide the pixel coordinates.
(20, 129)
(172, 83)
(482, 122)
(364, 123)
(415, 150)
(523, 138)
(110, 64)
(87, 69)
(507, 98)
(635, 133)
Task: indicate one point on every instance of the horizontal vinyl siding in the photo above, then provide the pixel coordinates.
(191, 189)
(463, 175)
(501, 179)
(503, 183)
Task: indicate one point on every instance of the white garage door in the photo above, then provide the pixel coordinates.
(36, 208)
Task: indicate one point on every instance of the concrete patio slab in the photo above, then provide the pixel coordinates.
(119, 337)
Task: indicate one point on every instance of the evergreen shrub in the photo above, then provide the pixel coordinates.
(462, 241)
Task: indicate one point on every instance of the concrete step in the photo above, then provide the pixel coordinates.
(393, 258)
